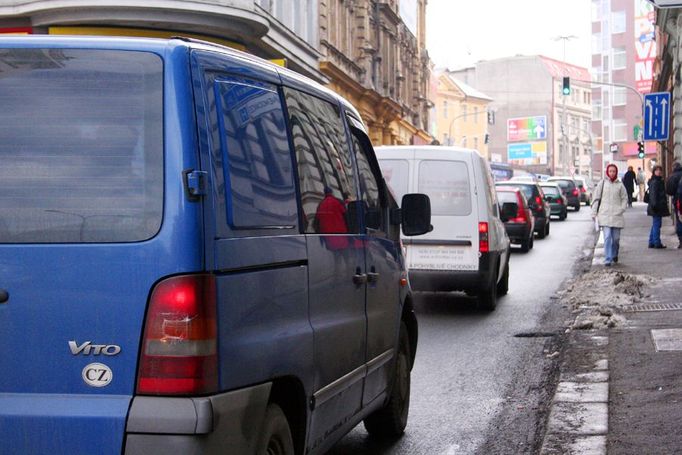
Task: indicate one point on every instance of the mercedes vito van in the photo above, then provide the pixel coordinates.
(198, 254)
(468, 249)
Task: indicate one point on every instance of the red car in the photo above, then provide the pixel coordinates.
(520, 226)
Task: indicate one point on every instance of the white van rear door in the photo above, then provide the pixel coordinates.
(453, 243)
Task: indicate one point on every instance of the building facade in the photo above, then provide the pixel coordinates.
(461, 114)
(624, 50)
(536, 128)
(374, 54)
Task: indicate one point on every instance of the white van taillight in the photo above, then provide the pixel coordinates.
(483, 237)
(179, 345)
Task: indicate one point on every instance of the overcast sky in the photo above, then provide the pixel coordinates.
(461, 32)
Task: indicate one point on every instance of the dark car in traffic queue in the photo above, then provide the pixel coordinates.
(558, 205)
(585, 188)
(570, 189)
(536, 202)
(519, 223)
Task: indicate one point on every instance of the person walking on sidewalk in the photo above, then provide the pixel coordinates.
(608, 207)
(671, 189)
(629, 182)
(658, 206)
(641, 181)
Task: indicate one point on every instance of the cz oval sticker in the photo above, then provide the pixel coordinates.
(97, 375)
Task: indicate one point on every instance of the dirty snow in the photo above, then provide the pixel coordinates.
(599, 296)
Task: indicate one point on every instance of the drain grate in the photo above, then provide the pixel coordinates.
(654, 307)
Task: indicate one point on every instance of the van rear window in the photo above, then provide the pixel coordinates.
(447, 185)
(81, 145)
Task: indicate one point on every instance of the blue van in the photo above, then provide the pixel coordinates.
(198, 254)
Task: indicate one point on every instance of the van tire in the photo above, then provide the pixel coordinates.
(487, 298)
(527, 244)
(275, 437)
(503, 285)
(391, 420)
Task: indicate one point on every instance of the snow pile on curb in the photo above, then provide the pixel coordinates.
(599, 296)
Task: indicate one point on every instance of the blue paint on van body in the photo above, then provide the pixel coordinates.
(301, 323)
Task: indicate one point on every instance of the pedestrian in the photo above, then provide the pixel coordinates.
(629, 182)
(658, 206)
(671, 189)
(641, 181)
(608, 207)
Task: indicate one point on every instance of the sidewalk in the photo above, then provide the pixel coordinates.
(620, 389)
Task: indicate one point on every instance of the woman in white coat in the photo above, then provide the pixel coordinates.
(608, 207)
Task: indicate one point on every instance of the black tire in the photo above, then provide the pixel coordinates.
(541, 235)
(487, 298)
(390, 421)
(546, 229)
(275, 437)
(526, 244)
(563, 215)
(503, 285)
(577, 207)
(532, 242)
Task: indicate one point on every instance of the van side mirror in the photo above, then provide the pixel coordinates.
(416, 214)
(509, 211)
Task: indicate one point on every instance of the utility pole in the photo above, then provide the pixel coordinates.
(564, 137)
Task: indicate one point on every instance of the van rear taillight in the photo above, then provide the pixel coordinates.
(179, 348)
(483, 246)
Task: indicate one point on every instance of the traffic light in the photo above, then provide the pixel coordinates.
(486, 139)
(640, 149)
(566, 88)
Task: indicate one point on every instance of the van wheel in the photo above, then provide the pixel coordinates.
(275, 437)
(487, 298)
(390, 421)
(503, 285)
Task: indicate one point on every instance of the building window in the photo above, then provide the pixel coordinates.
(620, 130)
(596, 43)
(618, 22)
(475, 114)
(596, 111)
(619, 58)
(445, 109)
(464, 112)
(619, 96)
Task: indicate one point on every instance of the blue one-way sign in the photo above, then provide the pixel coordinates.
(656, 116)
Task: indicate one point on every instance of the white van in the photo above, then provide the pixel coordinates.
(468, 249)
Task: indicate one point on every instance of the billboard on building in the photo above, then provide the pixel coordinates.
(527, 128)
(527, 153)
(645, 45)
(408, 10)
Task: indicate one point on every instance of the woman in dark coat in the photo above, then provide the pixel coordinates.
(629, 182)
(657, 208)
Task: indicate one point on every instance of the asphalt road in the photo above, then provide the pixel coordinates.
(472, 374)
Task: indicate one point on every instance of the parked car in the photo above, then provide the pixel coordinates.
(520, 225)
(199, 255)
(585, 187)
(570, 190)
(536, 202)
(468, 249)
(556, 199)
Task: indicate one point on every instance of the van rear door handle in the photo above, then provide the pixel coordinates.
(372, 277)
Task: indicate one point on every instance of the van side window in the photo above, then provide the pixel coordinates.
(257, 163)
(370, 179)
(325, 167)
(490, 193)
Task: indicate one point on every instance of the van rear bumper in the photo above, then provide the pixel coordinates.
(455, 280)
(225, 423)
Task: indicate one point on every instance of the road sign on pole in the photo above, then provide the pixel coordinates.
(656, 116)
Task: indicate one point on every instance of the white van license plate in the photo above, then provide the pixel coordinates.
(442, 258)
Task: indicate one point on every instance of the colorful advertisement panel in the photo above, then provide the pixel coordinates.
(645, 45)
(528, 153)
(527, 128)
